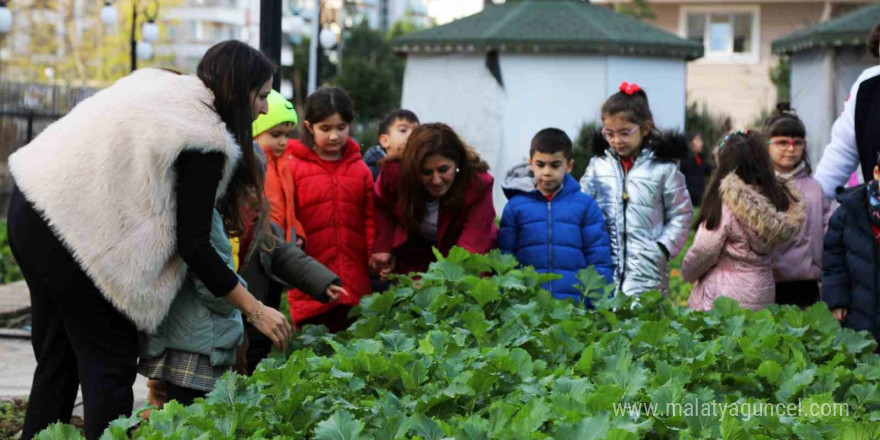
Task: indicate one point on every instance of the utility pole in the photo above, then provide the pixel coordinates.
(270, 35)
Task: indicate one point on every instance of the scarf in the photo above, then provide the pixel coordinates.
(874, 203)
(785, 177)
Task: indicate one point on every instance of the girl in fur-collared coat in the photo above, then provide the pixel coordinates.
(746, 213)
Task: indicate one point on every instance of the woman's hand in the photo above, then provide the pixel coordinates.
(267, 320)
(839, 314)
(335, 292)
(274, 325)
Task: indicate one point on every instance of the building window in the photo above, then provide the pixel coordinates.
(728, 35)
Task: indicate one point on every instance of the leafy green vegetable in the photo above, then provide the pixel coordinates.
(477, 350)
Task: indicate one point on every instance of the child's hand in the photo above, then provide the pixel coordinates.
(839, 314)
(300, 242)
(335, 292)
(382, 263)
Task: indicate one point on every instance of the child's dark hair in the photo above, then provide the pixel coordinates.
(634, 107)
(393, 116)
(551, 141)
(322, 104)
(874, 41)
(743, 153)
(785, 122)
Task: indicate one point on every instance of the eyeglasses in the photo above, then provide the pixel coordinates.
(782, 144)
(610, 135)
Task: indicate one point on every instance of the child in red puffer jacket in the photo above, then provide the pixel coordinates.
(334, 203)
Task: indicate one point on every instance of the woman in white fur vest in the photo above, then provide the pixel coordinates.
(113, 205)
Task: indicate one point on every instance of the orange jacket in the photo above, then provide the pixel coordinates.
(279, 192)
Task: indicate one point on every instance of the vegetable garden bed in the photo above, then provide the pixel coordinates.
(476, 350)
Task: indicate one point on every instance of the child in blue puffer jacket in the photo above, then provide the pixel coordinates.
(548, 222)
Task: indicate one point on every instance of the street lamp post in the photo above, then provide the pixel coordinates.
(270, 35)
(140, 50)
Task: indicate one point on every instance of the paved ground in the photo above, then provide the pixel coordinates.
(17, 363)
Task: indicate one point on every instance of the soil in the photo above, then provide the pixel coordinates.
(11, 417)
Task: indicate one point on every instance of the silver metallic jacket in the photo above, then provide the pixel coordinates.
(643, 208)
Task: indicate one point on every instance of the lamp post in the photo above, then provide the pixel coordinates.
(270, 35)
(140, 50)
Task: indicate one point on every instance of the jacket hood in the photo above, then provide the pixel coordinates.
(350, 153)
(766, 226)
(374, 154)
(855, 197)
(521, 180)
(666, 145)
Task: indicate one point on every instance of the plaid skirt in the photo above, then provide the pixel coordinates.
(182, 368)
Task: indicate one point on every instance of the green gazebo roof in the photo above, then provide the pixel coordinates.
(556, 26)
(847, 30)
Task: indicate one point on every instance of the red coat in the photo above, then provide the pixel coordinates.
(473, 229)
(334, 203)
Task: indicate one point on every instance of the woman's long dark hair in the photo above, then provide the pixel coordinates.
(425, 141)
(746, 155)
(233, 70)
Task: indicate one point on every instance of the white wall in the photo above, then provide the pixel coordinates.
(457, 90)
(812, 96)
(664, 80)
(540, 91)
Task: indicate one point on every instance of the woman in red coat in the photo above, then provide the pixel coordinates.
(438, 194)
(334, 202)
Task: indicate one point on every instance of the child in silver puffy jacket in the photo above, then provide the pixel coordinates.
(634, 177)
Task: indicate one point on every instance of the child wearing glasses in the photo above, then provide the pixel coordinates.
(634, 178)
(747, 212)
(797, 264)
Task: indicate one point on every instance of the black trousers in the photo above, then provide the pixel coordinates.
(79, 338)
(184, 396)
(336, 319)
(797, 293)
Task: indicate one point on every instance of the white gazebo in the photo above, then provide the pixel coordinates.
(499, 76)
(825, 62)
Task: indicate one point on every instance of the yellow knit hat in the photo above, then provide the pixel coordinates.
(280, 111)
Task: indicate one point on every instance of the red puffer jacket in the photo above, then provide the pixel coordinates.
(334, 203)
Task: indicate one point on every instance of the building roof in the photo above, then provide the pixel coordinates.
(554, 26)
(847, 30)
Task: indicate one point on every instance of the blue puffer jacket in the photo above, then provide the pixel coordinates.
(561, 236)
(850, 264)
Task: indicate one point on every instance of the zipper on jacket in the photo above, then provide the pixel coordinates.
(625, 200)
(550, 240)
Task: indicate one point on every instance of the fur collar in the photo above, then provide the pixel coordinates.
(103, 178)
(667, 145)
(756, 212)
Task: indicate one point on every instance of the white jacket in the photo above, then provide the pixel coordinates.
(841, 157)
(103, 178)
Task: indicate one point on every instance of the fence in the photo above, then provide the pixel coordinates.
(26, 109)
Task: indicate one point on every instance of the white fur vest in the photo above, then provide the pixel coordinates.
(103, 177)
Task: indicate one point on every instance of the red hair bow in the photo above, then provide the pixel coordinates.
(628, 88)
